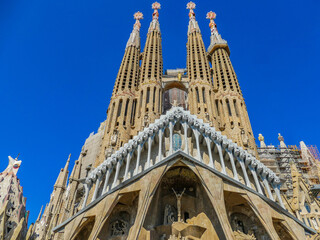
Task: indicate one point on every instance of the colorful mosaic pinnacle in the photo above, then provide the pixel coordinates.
(213, 26)
(138, 16)
(156, 6)
(191, 6)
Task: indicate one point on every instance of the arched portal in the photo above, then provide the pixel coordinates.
(244, 222)
(282, 230)
(85, 229)
(181, 208)
(121, 219)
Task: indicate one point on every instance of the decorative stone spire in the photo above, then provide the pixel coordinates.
(261, 139)
(154, 25)
(13, 166)
(281, 139)
(134, 39)
(39, 216)
(150, 79)
(193, 24)
(215, 36)
(63, 175)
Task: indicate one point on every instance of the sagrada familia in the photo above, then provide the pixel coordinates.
(175, 158)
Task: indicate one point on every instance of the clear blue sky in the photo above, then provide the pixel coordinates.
(59, 60)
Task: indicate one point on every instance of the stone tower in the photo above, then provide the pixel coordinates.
(123, 103)
(200, 92)
(231, 116)
(151, 70)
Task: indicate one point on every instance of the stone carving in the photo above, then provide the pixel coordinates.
(179, 196)
(145, 120)
(119, 228)
(238, 235)
(244, 138)
(108, 152)
(114, 138)
(169, 213)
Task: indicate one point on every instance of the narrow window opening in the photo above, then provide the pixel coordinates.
(204, 95)
(119, 108)
(217, 107)
(198, 97)
(235, 107)
(229, 108)
(148, 95)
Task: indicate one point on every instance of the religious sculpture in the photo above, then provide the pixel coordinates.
(179, 196)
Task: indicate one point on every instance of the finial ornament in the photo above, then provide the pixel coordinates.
(213, 26)
(191, 6)
(137, 16)
(280, 138)
(155, 7)
(261, 138)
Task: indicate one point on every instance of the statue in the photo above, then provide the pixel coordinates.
(146, 120)
(179, 196)
(114, 138)
(168, 215)
(108, 152)
(244, 138)
(119, 228)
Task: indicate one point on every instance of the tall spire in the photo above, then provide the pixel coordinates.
(134, 39)
(229, 106)
(215, 36)
(122, 107)
(63, 175)
(200, 90)
(151, 71)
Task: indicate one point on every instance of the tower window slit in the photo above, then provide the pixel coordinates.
(154, 98)
(229, 108)
(140, 104)
(133, 112)
(235, 107)
(217, 107)
(148, 95)
(204, 95)
(198, 97)
(119, 108)
(126, 108)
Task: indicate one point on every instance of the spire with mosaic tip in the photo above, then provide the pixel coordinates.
(154, 25)
(134, 39)
(193, 24)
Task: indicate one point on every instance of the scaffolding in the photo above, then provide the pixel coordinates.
(314, 151)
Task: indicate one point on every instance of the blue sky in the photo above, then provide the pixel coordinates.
(59, 60)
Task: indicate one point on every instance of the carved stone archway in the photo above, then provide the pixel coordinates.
(180, 196)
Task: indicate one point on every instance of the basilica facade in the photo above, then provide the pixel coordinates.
(176, 157)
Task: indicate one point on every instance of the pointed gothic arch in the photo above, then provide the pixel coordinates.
(117, 224)
(243, 220)
(85, 229)
(194, 217)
